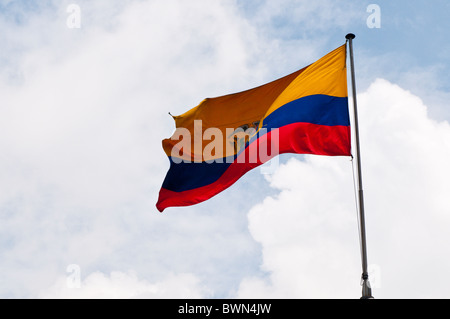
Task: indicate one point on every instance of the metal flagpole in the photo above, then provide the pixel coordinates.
(366, 290)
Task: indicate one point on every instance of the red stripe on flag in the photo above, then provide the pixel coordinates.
(300, 138)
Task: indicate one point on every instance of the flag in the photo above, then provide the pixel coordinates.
(223, 138)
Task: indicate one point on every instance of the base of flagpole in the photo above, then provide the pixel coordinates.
(366, 290)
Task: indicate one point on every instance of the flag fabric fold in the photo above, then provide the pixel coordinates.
(223, 138)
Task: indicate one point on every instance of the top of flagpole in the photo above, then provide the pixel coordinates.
(350, 36)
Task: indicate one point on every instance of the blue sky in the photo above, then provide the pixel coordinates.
(84, 111)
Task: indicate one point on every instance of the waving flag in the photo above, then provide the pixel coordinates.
(221, 139)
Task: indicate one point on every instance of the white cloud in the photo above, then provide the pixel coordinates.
(81, 132)
(119, 285)
(309, 231)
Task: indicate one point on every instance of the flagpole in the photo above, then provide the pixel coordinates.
(366, 290)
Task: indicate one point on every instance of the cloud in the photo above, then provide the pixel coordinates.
(120, 285)
(308, 232)
(296, 32)
(81, 128)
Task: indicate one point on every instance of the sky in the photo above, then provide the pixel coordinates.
(85, 92)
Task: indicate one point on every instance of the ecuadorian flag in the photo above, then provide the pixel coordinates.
(221, 139)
